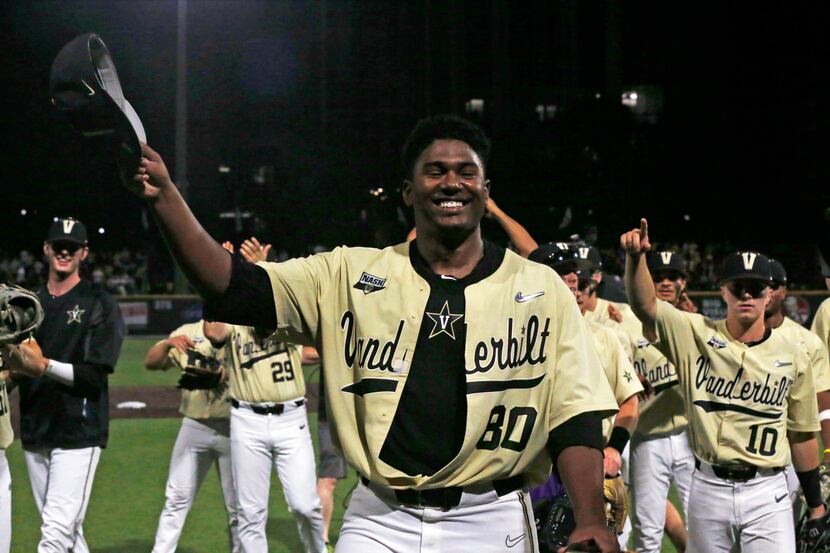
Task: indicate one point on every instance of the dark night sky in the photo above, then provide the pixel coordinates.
(736, 145)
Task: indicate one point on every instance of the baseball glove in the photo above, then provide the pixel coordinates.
(554, 523)
(616, 503)
(813, 535)
(201, 372)
(20, 314)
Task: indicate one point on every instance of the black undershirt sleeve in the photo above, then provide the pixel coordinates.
(248, 300)
(584, 429)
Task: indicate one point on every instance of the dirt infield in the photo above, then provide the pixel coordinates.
(159, 401)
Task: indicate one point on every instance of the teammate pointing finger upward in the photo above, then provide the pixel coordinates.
(749, 396)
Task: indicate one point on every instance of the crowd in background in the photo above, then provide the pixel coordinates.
(125, 272)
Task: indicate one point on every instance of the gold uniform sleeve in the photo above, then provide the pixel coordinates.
(675, 332)
(821, 367)
(175, 358)
(802, 407)
(821, 322)
(626, 383)
(298, 285)
(579, 384)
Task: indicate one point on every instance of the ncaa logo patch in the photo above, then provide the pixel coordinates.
(370, 283)
(642, 343)
(716, 342)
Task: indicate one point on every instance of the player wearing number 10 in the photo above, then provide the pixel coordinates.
(269, 426)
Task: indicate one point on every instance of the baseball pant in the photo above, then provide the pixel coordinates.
(795, 493)
(752, 517)
(5, 504)
(655, 464)
(198, 446)
(259, 442)
(482, 522)
(61, 483)
(625, 471)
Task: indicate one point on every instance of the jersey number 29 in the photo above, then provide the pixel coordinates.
(282, 371)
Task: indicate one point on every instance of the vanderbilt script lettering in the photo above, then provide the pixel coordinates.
(766, 393)
(367, 351)
(512, 351)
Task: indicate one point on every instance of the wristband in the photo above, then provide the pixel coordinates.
(62, 372)
(826, 451)
(811, 486)
(619, 438)
(824, 415)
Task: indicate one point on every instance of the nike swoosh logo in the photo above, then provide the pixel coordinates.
(521, 299)
(91, 92)
(781, 363)
(778, 499)
(512, 542)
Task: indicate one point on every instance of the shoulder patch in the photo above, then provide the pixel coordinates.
(370, 283)
(716, 342)
(642, 343)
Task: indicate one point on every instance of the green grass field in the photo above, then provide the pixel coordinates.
(128, 493)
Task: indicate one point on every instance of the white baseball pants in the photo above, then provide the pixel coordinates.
(259, 442)
(752, 517)
(5, 504)
(655, 464)
(198, 446)
(484, 522)
(61, 483)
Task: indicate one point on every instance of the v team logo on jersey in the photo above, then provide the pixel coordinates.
(370, 283)
(74, 314)
(445, 320)
(740, 388)
(716, 342)
(749, 260)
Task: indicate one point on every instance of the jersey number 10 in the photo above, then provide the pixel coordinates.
(769, 437)
(492, 437)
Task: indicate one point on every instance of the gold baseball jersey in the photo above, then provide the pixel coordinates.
(200, 404)
(617, 368)
(528, 363)
(740, 399)
(821, 322)
(813, 347)
(6, 434)
(263, 369)
(630, 323)
(663, 412)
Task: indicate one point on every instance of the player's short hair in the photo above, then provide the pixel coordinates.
(444, 126)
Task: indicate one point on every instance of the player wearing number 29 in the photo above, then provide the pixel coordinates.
(750, 397)
(269, 427)
(455, 370)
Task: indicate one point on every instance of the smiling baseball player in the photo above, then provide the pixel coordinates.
(451, 364)
(750, 400)
(204, 437)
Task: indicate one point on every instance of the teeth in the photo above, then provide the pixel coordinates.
(448, 203)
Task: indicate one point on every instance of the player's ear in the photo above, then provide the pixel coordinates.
(406, 190)
(84, 252)
(723, 292)
(46, 248)
(488, 187)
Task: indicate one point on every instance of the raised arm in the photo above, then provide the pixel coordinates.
(157, 359)
(638, 283)
(518, 235)
(204, 262)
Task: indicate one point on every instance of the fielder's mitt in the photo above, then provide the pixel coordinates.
(813, 536)
(616, 503)
(201, 372)
(20, 314)
(554, 523)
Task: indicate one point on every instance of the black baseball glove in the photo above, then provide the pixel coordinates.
(20, 314)
(201, 372)
(554, 523)
(813, 535)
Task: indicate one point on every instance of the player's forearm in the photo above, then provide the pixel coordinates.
(517, 234)
(804, 450)
(823, 400)
(156, 358)
(641, 294)
(581, 470)
(205, 263)
(628, 414)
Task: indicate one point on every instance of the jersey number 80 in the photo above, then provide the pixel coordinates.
(492, 437)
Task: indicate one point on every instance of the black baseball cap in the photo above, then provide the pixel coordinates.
(562, 257)
(86, 92)
(67, 230)
(666, 261)
(778, 272)
(589, 254)
(745, 265)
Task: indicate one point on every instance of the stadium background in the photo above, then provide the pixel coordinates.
(306, 103)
